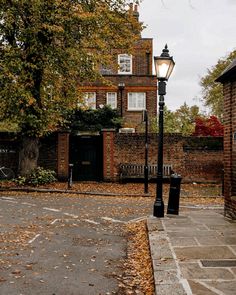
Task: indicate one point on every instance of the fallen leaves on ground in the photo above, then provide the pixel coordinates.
(191, 193)
(138, 274)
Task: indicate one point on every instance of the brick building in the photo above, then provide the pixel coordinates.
(132, 87)
(228, 79)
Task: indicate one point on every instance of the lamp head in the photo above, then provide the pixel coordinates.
(164, 64)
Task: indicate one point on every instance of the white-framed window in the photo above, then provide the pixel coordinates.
(125, 64)
(90, 99)
(112, 99)
(136, 101)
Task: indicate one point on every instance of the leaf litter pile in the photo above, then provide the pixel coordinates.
(191, 193)
(138, 275)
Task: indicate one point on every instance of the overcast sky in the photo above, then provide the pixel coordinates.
(198, 33)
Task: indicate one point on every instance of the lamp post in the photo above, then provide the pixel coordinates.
(164, 65)
(121, 87)
(145, 119)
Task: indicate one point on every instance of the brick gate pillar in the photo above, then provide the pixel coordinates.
(108, 154)
(63, 155)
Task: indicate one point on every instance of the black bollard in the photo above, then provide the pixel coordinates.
(70, 176)
(174, 194)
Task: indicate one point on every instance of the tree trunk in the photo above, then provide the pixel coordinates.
(28, 155)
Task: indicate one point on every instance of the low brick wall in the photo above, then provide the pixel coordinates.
(195, 159)
(48, 152)
(9, 150)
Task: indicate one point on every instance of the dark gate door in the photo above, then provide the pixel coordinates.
(86, 155)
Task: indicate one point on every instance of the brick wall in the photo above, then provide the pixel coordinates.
(230, 148)
(142, 58)
(108, 155)
(188, 156)
(48, 152)
(63, 155)
(9, 150)
(198, 164)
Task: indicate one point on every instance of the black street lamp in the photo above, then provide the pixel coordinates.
(164, 65)
(145, 119)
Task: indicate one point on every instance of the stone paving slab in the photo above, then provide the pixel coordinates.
(195, 271)
(204, 252)
(173, 289)
(178, 244)
(183, 241)
(228, 288)
(199, 289)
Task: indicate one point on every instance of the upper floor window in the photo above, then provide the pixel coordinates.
(125, 64)
(112, 99)
(136, 101)
(90, 99)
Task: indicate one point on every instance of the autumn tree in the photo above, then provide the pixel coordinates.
(46, 47)
(213, 91)
(181, 120)
(185, 118)
(208, 127)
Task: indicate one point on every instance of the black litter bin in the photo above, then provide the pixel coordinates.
(174, 194)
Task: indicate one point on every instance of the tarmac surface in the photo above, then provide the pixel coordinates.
(193, 253)
(55, 244)
(74, 244)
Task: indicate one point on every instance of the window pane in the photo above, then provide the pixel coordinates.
(112, 99)
(90, 100)
(136, 101)
(125, 64)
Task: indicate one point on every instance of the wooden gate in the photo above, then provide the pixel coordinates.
(86, 156)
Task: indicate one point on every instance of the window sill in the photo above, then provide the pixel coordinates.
(135, 110)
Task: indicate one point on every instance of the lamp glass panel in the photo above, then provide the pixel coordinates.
(164, 68)
(171, 67)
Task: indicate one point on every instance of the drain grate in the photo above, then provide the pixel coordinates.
(218, 263)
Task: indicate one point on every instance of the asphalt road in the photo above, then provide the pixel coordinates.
(54, 244)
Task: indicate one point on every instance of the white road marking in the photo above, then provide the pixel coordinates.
(71, 215)
(51, 209)
(137, 219)
(7, 198)
(28, 204)
(113, 220)
(31, 241)
(54, 221)
(91, 221)
(9, 201)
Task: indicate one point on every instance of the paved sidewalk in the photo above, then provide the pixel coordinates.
(193, 253)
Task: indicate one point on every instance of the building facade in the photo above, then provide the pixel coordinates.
(228, 79)
(131, 87)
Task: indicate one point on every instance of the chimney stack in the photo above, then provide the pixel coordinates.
(135, 11)
(131, 7)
